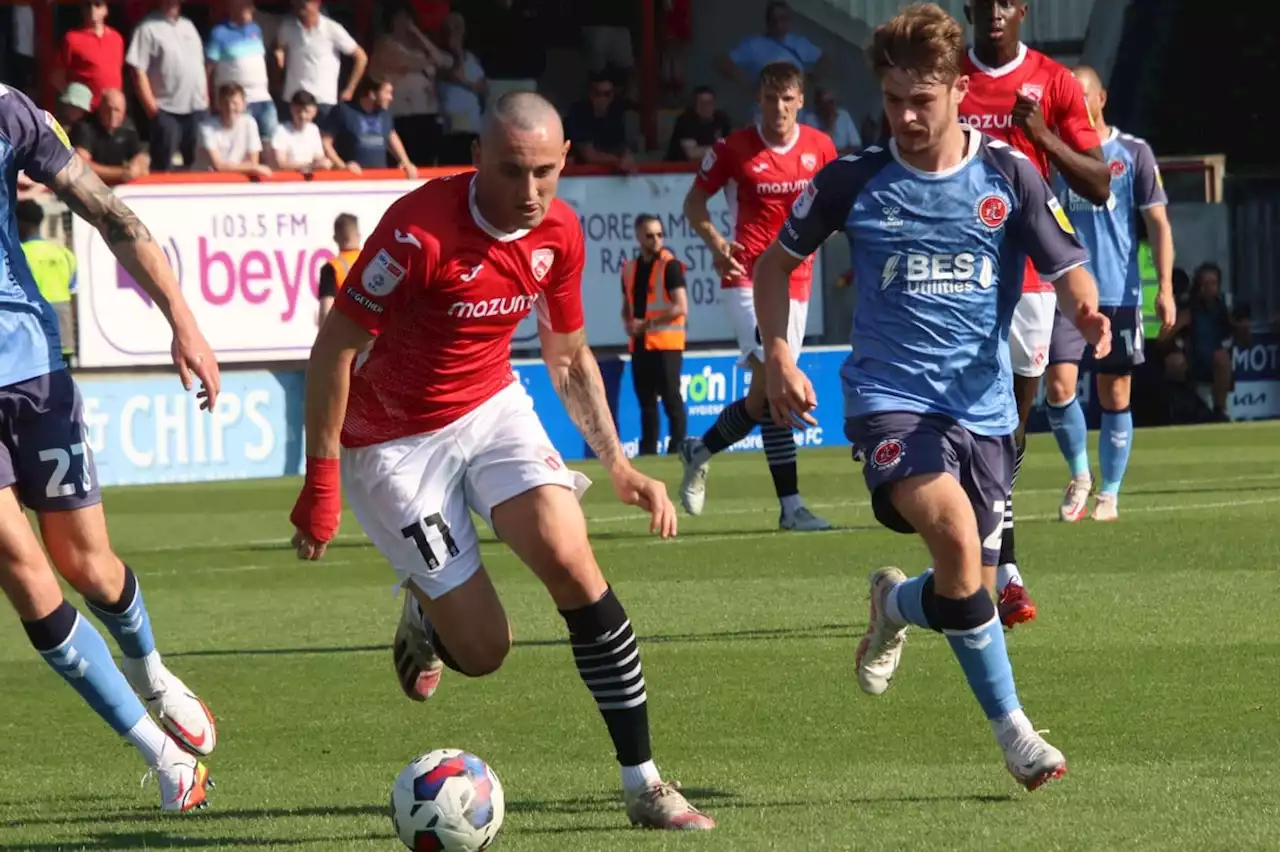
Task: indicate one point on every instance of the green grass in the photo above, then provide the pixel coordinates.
(1154, 664)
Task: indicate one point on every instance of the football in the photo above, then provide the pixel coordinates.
(447, 801)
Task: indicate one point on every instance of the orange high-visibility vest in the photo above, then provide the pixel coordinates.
(342, 264)
(668, 336)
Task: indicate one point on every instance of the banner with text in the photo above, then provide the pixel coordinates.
(248, 258)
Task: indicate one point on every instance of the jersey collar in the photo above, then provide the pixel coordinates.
(1111, 137)
(973, 142)
(779, 149)
(482, 224)
(1003, 70)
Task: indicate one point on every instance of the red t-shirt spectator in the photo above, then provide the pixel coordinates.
(94, 60)
(430, 14)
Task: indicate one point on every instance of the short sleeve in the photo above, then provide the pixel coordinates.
(139, 55)
(41, 147)
(1071, 119)
(560, 309)
(253, 139)
(328, 287)
(744, 54)
(1040, 224)
(716, 169)
(213, 47)
(209, 135)
(1148, 186)
(341, 38)
(823, 206)
(673, 276)
(808, 52)
(397, 261)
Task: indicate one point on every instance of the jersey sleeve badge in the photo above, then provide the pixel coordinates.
(382, 275)
(57, 129)
(1060, 216)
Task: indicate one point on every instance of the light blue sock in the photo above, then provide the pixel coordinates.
(1114, 443)
(985, 660)
(1067, 423)
(74, 649)
(127, 621)
(906, 603)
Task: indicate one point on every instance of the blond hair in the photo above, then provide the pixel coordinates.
(923, 40)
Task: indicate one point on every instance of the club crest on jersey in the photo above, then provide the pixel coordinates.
(1032, 92)
(1060, 216)
(382, 275)
(887, 455)
(993, 210)
(1117, 168)
(540, 261)
(809, 161)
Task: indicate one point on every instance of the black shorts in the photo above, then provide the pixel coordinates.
(1068, 346)
(44, 453)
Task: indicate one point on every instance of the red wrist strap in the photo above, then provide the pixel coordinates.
(323, 474)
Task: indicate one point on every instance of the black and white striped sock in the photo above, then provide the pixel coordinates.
(780, 451)
(608, 659)
(1008, 551)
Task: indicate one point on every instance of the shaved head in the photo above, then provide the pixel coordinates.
(1095, 96)
(519, 156)
(1089, 79)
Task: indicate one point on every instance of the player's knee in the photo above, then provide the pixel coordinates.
(1175, 367)
(478, 654)
(1059, 387)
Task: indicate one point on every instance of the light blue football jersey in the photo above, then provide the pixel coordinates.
(938, 261)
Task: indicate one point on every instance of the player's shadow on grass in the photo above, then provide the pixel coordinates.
(211, 814)
(1241, 488)
(754, 532)
(165, 840)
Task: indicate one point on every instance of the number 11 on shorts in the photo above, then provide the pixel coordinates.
(421, 531)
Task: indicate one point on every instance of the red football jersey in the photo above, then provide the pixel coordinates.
(761, 182)
(988, 106)
(443, 291)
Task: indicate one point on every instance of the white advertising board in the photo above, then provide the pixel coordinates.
(248, 257)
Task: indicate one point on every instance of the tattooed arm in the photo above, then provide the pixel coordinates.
(129, 240)
(576, 377)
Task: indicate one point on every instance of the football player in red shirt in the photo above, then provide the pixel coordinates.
(1024, 98)
(762, 169)
(410, 384)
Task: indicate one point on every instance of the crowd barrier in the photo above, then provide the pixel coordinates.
(147, 430)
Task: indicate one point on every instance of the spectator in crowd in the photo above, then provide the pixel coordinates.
(92, 54)
(74, 104)
(778, 44)
(359, 134)
(346, 234)
(109, 143)
(429, 15)
(507, 36)
(411, 62)
(21, 38)
(677, 32)
(236, 53)
(53, 266)
(167, 58)
(606, 35)
(1205, 332)
(699, 127)
(297, 145)
(597, 128)
(462, 89)
(835, 121)
(309, 49)
(229, 141)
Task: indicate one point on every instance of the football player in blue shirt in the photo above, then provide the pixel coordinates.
(939, 225)
(1110, 233)
(46, 466)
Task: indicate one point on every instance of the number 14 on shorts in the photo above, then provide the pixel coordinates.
(422, 532)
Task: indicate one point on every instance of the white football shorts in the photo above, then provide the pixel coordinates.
(1031, 332)
(740, 305)
(414, 496)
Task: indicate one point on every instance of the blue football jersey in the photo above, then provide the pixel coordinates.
(938, 260)
(1110, 231)
(30, 141)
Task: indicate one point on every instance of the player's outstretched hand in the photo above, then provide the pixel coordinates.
(1167, 311)
(192, 354)
(636, 489)
(727, 264)
(1096, 329)
(791, 395)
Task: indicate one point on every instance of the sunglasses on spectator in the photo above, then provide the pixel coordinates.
(653, 235)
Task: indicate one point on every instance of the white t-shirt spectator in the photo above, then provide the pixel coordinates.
(171, 54)
(298, 146)
(844, 134)
(313, 58)
(233, 144)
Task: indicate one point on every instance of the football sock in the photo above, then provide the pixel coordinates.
(1006, 574)
(74, 649)
(733, 424)
(128, 623)
(1067, 423)
(1008, 551)
(1114, 443)
(974, 632)
(780, 452)
(608, 661)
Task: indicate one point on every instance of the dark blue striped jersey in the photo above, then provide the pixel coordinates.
(1110, 232)
(938, 261)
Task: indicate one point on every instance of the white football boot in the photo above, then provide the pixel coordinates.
(1106, 508)
(802, 520)
(1075, 498)
(1028, 756)
(418, 666)
(178, 710)
(880, 650)
(696, 460)
(663, 806)
(184, 781)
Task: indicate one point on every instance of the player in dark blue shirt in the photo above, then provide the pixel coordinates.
(940, 225)
(46, 465)
(1110, 232)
